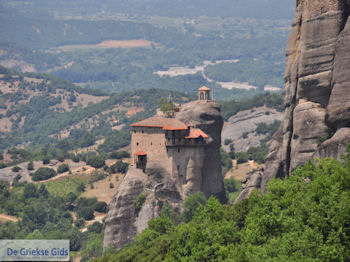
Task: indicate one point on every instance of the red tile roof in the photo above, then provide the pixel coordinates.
(204, 88)
(161, 122)
(140, 153)
(196, 133)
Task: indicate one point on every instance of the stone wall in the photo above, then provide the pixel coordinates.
(187, 167)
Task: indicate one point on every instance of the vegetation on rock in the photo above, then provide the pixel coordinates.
(303, 217)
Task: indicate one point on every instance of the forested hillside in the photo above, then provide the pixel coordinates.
(301, 218)
(40, 109)
(74, 40)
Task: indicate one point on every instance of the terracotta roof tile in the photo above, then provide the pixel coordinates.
(140, 153)
(161, 122)
(196, 133)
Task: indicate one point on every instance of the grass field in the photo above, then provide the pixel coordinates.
(64, 186)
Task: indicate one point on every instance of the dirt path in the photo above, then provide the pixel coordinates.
(5, 218)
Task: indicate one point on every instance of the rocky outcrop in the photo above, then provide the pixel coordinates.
(246, 122)
(317, 88)
(251, 181)
(124, 222)
(207, 117)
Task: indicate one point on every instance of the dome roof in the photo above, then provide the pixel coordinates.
(204, 88)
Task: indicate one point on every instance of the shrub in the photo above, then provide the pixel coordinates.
(231, 185)
(30, 165)
(75, 158)
(245, 135)
(96, 176)
(62, 168)
(79, 223)
(43, 191)
(118, 167)
(30, 191)
(2, 165)
(191, 204)
(16, 169)
(119, 155)
(242, 157)
(43, 173)
(81, 187)
(16, 180)
(86, 212)
(101, 206)
(226, 162)
(96, 161)
(86, 207)
(46, 160)
(258, 153)
(139, 202)
(70, 197)
(96, 227)
(60, 157)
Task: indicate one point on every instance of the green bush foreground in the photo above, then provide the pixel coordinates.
(302, 218)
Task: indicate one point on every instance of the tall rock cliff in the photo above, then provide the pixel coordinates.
(124, 221)
(317, 88)
(207, 117)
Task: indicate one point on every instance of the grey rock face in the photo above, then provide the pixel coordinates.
(250, 182)
(207, 117)
(335, 146)
(247, 121)
(123, 222)
(317, 88)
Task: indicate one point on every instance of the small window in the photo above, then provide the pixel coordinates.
(142, 131)
(178, 150)
(134, 131)
(151, 143)
(137, 143)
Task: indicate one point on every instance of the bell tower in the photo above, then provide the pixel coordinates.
(204, 93)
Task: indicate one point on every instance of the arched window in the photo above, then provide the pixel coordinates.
(201, 96)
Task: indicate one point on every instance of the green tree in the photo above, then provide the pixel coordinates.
(96, 227)
(62, 168)
(139, 202)
(30, 191)
(96, 161)
(30, 165)
(101, 206)
(43, 191)
(46, 159)
(16, 169)
(86, 212)
(167, 107)
(43, 173)
(191, 204)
